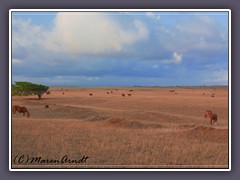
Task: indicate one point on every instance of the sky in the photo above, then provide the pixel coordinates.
(122, 48)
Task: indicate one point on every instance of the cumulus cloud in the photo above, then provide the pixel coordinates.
(25, 34)
(87, 48)
(79, 34)
(176, 59)
(93, 34)
(194, 34)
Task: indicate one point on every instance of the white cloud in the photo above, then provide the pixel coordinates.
(25, 34)
(16, 61)
(176, 59)
(151, 15)
(79, 33)
(199, 34)
(76, 45)
(94, 34)
(219, 77)
(206, 19)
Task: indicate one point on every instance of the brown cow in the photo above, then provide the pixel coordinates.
(20, 109)
(211, 116)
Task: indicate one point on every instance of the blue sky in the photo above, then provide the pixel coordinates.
(120, 48)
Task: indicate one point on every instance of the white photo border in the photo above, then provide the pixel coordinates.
(120, 10)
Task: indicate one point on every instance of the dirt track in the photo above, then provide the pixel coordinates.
(174, 113)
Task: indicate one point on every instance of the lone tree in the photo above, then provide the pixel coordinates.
(27, 88)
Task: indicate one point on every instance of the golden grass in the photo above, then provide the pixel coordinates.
(115, 132)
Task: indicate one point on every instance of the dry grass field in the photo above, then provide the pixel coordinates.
(158, 127)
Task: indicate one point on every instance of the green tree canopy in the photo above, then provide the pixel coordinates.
(27, 88)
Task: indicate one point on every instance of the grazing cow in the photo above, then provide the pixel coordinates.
(123, 95)
(46, 106)
(19, 109)
(211, 116)
(107, 92)
(129, 94)
(90, 94)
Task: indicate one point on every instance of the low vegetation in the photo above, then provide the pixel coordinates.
(27, 88)
(150, 129)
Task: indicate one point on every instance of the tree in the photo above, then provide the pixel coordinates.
(27, 88)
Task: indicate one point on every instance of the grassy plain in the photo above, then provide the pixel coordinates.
(154, 127)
